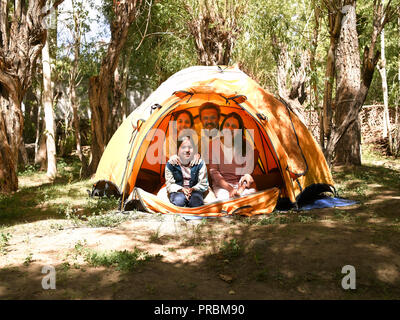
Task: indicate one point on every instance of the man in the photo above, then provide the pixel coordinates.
(210, 115)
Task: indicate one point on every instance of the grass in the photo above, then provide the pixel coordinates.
(124, 260)
(4, 239)
(376, 170)
(230, 249)
(109, 220)
(155, 236)
(28, 260)
(65, 198)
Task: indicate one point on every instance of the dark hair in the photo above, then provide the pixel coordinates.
(209, 105)
(181, 139)
(233, 115)
(241, 126)
(177, 114)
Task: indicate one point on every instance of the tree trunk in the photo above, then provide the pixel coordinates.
(8, 172)
(116, 109)
(370, 58)
(293, 94)
(125, 79)
(72, 88)
(314, 80)
(99, 86)
(22, 36)
(214, 30)
(48, 114)
(22, 156)
(382, 70)
(41, 153)
(334, 18)
(348, 66)
(396, 143)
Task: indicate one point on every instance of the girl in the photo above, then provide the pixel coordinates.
(185, 184)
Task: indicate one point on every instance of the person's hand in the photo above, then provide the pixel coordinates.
(174, 160)
(232, 193)
(195, 161)
(246, 180)
(240, 190)
(187, 192)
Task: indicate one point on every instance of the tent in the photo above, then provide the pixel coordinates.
(291, 165)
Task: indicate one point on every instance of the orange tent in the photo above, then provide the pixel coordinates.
(291, 164)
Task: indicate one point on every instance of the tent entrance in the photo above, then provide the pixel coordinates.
(150, 177)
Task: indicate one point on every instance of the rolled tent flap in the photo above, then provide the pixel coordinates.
(262, 202)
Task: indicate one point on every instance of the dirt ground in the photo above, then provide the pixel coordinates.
(289, 255)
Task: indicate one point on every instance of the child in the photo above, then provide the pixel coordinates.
(186, 185)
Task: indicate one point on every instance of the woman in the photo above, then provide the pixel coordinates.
(184, 120)
(181, 120)
(232, 160)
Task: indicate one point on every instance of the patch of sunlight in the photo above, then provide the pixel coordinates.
(328, 223)
(63, 200)
(34, 180)
(379, 250)
(2, 291)
(387, 273)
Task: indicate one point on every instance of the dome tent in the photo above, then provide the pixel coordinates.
(291, 164)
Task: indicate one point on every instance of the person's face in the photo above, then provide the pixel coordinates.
(183, 122)
(231, 124)
(185, 152)
(209, 119)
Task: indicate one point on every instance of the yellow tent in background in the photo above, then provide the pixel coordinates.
(291, 164)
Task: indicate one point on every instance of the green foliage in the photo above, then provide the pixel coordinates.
(107, 220)
(273, 219)
(162, 49)
(101, 205)
(230, 249)
(122, 260)
(4, 239)
(28, 260)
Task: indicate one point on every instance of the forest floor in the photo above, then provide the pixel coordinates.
(99, 253)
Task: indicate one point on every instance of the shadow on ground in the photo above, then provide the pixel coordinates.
(295, 255)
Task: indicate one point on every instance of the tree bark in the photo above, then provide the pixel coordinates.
(72, 89)
(396, 143)
(314, 80)
(348, 67)
(382, 70)
(125, 79)
(48, 114)
(99, 86)
(22, 36)
(294, 93)
(381, 16)
(334, 19)
(8, 173)
(214, 30)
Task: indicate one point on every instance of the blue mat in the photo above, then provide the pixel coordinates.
(325, 202)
